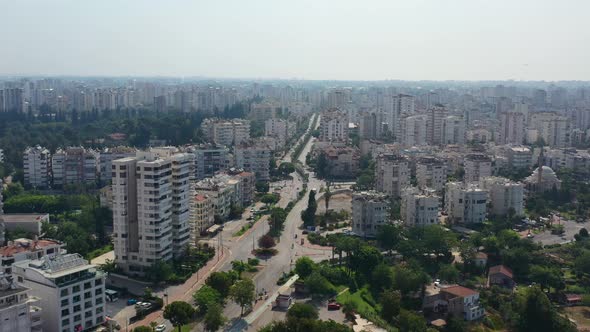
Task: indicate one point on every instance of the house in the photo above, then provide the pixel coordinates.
(481, 259)
(455, 300)
(502, 276)
(571, 299)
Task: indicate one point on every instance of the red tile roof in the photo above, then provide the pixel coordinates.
(21, 246)
(501, 269)
(459, 291)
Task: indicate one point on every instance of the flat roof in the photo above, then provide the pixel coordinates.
(24, 217)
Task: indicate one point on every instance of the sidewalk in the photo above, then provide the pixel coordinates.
(185, 291)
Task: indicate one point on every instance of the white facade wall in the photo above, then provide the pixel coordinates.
(369, 212)
(392, 174)
(37, 167)
(419, 209)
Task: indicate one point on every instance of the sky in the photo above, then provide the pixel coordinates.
(303, 39)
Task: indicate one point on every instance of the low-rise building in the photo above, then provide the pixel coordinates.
(18, 310)
(502, 276)
(71, 292)
(209, 159)
(477, 166)
(202, 215)
(74, 165)
(519, 157)
(431, 173)
(370, 210)
(459, 301)
(24, 249)
(28, 222)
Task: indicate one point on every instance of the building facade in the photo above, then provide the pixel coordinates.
(465, 203)
(369, 212)
(18, 310)
(392, 174)
(37, 167)
(419, 208)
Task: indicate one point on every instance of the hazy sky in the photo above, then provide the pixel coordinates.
(319, 39)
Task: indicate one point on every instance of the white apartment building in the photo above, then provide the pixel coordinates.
(477, 166)
(419, 208)
(281, 130)
(150, 208)
(392, 174)
(18, 311)
(74, 165)
(209, 159)
(574, 159)
(202, 215)
(369, 212)
(107, 155)
(465, 203)
(334, 126)
(37, 167)
(504, 195)
(431, 173)
(25, 249)
(395, 108)
(435, 125)
(413, 130)
(371, 124)
(70, 291)
(226, 132)
(453, 130)
(254, 158)
(519, 157)
(552, 128)
(223, 190)
(512, 129)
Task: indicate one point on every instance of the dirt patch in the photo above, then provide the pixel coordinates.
(338, 202)
(581, 315)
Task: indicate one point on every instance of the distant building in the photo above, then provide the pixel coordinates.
(18, 310)
(477, 166)
(392, 174)
(465, 203)
(226, 132)
(419, 208)
(202, 215)
(413, 131)
(369, 212)
(453, 131)
(511, 128)
(71, 291)
(260, 112)
(107, 156)
(281, 130)
(435, 125)
(342, 162)
(37, 167)
(371, 125)
(542, 179)
(333, 126)
(209, 159)
(519, 157)
(552, 128)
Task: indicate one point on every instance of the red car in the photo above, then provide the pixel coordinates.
(333, 306)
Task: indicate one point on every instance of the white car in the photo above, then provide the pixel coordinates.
(160, 328)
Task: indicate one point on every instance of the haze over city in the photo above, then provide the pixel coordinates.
(317, 40)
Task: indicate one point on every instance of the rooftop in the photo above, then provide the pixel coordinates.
(501, 269)
(22, 245)
(459, 291)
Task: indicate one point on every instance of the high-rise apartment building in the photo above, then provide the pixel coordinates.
(226, 132)
(453, 130)
(75, 165)
(281, 130)
(107, 155)
(71, 292)
(552, 128)
(465, 203)
(511, 128)
(505, 196)
(260, 112)
(209, 159)
(369, 212)
(435, 125)
(151, 195)
(431, 173)
(334, 126)
(37, 167)
(419, 208)
(12, 100)
(477, 167)
(18, 310)
(371, 125)
(254, 158)
(392, 174)
(413, 130)
(395, 108)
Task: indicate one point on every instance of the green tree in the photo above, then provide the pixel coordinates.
(205, 297)
(13, 189)
(242, 292)
(304, 266)
(221, 282)
(286, 168)
(318, 284)
(266, 241)
(179, 313)
(270, 198)
(449, 273)
(408, 279)
(143, 328)
(411, 322)
(382, 277)
(366, 259)
(537, 314)
(302, 311)
(546, 277)
(390, 305)
(214, 318)
(388, 236)
(308, 215)
(262, 187)
(160, 271)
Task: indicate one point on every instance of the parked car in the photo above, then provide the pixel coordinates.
(160, 328)
(131, 301)
(333, 306)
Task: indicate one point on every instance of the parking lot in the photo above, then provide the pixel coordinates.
(570, 228)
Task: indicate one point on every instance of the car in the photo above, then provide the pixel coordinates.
(333, 306)
(131, 301)
(530, 236)
(160, 328)
(138, 304)
(250, 218)
(305, 231)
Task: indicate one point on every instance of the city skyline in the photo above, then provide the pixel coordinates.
(379, 40)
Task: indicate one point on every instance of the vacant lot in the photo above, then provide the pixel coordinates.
(338, 202)
(581, 315)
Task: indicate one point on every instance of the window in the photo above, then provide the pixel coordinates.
(77, 308)
(65, 322)
(65, 302)
(64, 292)
(87, 285)
(65, 312)
(77, 318)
